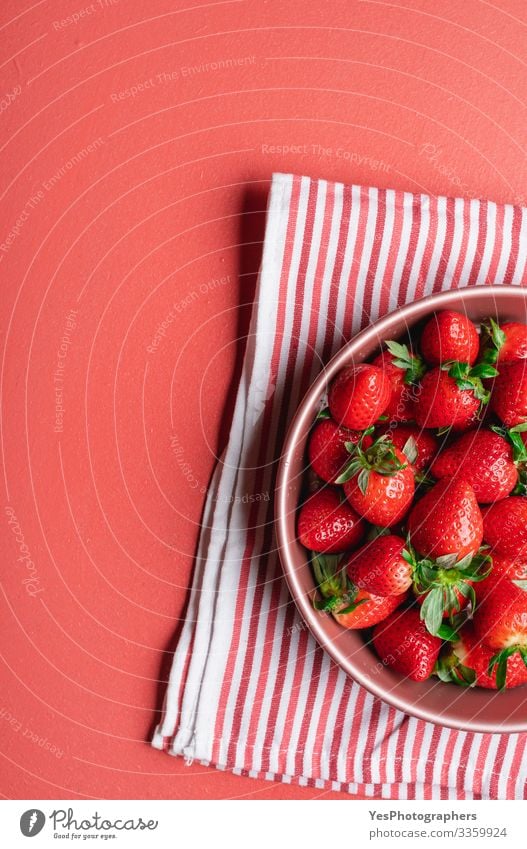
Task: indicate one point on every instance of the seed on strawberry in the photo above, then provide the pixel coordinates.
(447, 520)
(413, 440)
(404, 369)
(468, 661)
(509, 394)
(378, 481)
(351, 606)
(505, 526)
(380, 568)
(327, 450)
(359, 395)
(403, 642)
(451, 399)
(449, 335)
(503, 343)
(484, 459)
(327, 524)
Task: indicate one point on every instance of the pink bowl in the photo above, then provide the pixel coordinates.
(445, 704)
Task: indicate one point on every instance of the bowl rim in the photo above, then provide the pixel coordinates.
(295, 430)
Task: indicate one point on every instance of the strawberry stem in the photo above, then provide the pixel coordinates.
(470, 379)
(442, 581)
(380, 457)
(413, 365)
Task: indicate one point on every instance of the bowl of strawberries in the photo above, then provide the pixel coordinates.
(401, 508)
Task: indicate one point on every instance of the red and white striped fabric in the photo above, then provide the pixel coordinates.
(249, 689)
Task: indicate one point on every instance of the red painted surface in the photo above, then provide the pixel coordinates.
(137, 145)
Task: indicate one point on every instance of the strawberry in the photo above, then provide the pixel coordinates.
(413, 442)
(447, 520)
(449, 335)
(359, 395)
(403, 643)
(378, 481)
(380, 568)
(509, 393)
(451, 398)
(404, 369)
(468, 660)
(350, 606)
(504, 343)
(445, 586)
(484, 459)
(505, 526)
(364, 609)
(513, 568)
(327, 448)
(500, 621)
(325, 523)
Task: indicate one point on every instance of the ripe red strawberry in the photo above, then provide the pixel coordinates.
(484, 459)
(378, 482)
(414, 439)
(505, 526)
(447, 336)
(468, 661)
(380, 568)
(404, 369)
(500, 621)
(325, 523)
(359, 395)
(509, 394)
(444, 401)
(327, 450)
(403, 643)
(366, 609)
(351, 606)
(513, 568)
(504, 343)
(447, 520)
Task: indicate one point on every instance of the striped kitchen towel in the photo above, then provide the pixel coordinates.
(250, 690)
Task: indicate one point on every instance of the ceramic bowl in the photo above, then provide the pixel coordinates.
(472, 709)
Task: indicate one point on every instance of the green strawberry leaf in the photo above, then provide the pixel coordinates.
(483, 370)
(470, 378)
(519, 428)
(493, 340)
(447, 632)
(410, 449)
(499, 663)
(363, 480)
(446, 561)
(413, 365)
(521, 584)
(467, 676)
(432, 610)
(323, 414)
(353, 606)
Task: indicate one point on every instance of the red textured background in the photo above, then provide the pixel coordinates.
(157, 206)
